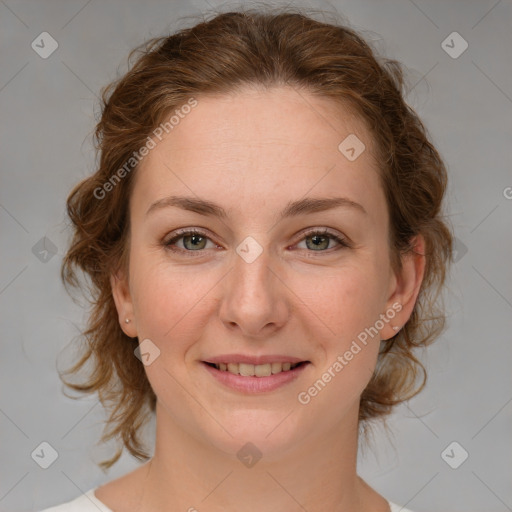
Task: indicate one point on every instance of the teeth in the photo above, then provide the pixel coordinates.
(262, 370)
(277, 367)
(233, 367)
(255, 370)
(247, 370)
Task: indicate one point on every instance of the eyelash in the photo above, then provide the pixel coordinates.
(180, 234)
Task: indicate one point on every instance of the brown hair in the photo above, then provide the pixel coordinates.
(233, 49)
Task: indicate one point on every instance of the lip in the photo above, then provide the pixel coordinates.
(255, 384)
(244, 358)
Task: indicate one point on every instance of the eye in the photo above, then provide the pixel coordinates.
(320, 239)
(195, 240)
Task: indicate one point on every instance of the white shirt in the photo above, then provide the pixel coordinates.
(89, 503)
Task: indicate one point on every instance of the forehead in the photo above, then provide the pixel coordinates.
(253, 116)
(260, 143)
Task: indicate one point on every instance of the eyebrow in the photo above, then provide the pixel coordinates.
(292, 209)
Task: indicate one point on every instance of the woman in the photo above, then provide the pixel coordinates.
(265, 242)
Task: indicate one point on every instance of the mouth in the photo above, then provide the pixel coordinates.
(249, 374)
(256, 370)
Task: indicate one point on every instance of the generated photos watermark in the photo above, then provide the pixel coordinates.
(137, 156)
(304, 397)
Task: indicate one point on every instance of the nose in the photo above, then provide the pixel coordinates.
(255, 298)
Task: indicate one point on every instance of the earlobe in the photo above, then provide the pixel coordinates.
(122, 298)
(407, 285)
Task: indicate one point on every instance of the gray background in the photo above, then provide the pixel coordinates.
(47, 112)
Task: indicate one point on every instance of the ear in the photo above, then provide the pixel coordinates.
(405, 287)
(124, 304)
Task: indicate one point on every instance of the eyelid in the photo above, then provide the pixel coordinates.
(339, 237)
(342, 240)
(180, 233)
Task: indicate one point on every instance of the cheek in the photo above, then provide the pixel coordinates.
(170, 301)
(344, 302)
(348, 306)
(345, 305)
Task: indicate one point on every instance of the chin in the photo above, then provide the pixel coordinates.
(257, 433)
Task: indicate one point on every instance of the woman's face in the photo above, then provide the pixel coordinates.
(257, 285)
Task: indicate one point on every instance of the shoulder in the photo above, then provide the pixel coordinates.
(85, 503)
(397, 508)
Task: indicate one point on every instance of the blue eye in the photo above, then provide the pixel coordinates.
(195, 240)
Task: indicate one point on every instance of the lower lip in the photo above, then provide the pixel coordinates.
(255, 384)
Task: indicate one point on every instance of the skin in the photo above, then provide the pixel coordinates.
(252, 152)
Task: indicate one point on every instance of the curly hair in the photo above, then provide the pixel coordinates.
(230, 50)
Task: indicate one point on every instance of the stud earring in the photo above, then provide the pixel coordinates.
(127, 320)
(396, 328)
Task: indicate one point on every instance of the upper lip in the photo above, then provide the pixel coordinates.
(242, 358)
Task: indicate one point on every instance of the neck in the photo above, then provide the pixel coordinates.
(316, 473)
